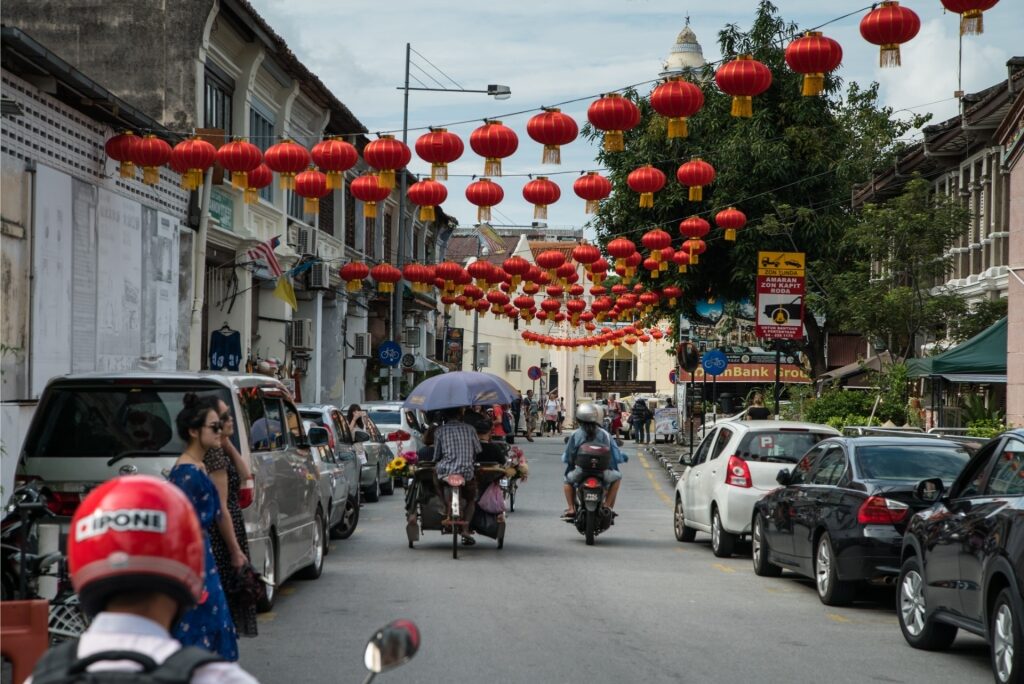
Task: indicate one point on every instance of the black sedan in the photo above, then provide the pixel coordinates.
(963, 559)
(840, 515)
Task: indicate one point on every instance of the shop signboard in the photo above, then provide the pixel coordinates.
(780, 295)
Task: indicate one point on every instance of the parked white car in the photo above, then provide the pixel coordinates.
(733, 467)
(400, 427)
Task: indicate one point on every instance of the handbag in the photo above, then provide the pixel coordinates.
(492, 500)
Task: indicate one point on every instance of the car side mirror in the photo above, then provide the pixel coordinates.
(686, 460)
(318, 436)
(361, 436)
(930, 490)
(783, 477)
(391, 646)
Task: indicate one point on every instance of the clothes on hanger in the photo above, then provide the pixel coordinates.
(225, 349)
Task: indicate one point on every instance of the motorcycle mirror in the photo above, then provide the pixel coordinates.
(391, 646)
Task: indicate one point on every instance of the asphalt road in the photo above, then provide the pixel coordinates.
(636, 607)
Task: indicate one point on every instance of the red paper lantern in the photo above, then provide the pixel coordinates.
(813, 55)
(694, 227)
(888, 25)
(696, 173)
(554, 291)
(540, 192)
(427, 194)
(593, 187)
(551, 260)
(368, 190)
(450, 272)
(440, 148)
(970, 11)
(354, 273)
(676, 100)
(652, 265)
(121, 148)
(480, 270)
(576, 290)
(673, 293)
(387, 155)
(287, 158)
(621, 248)
(484, 193)
(551, 305)
(655, 241)
(240, 157)
(632, 262)
(418, 275)
(586, 254)
(195, 155)
(334, 156)
(311, 185)
(666, 256)
(646, 180)
(598, 270)
(731, 220)
(516, 267)
(551, 128)
(566, 271)
(694, 247)
(386, 276)
(494, 141)
(743, 78)
(256, 180)
(498, 300)
(682, 258)
(151, 153)
(613, 114)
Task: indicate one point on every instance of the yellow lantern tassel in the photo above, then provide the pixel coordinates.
(620, 263)
(655, 272)
(889, 55)
(972, 22)
(663, 266)
(311, 205)
(730, 234)
(427, 213)
(540, 211)
(127, 169)
(672, 301)
(386, 178)
(515, 282)
(552, 155)
(240, 179)
(694, 258)
(483, 215)
(696, 193)
(354, 285)
(251, 196)
(743, 106)
(646, 200)
(814, 84)
(439, 171)
(287, 181)
(592, 206)
(334, 181)
(614, 141)
(150, 175)
(370, 210)
(677, 127)
(682, 268)
(492, 166)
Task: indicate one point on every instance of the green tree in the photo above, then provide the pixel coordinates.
(977, 318)
(790, 168)
(890, 293)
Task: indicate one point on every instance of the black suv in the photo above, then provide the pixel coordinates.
(963, 558)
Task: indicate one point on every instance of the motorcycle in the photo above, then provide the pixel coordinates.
(592, 516)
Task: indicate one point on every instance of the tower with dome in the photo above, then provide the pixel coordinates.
(686, 56)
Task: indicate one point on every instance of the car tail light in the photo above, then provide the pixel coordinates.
(591, 482)
(877, 510)
(737, 472)
(247, 492)
(63, 503)
(399, 436)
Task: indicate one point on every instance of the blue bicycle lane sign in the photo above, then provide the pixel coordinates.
(714, 362)
(389, 353)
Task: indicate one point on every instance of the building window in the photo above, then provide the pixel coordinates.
(295, 206)
(350, 218)
(369, 238)
(387, 227)
(326, 220)
(417, 240)
(261, 134)
(219, 90)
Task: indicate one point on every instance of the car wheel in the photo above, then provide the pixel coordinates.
(722, 542)
(314, 569)
(266, 602)
(1005, 635)
(683, 533)
(831, 590)
(349, 519)
(387, 487)
(373, 491)
(918, 628)
(759, 550)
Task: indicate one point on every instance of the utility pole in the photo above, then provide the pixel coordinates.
(398, 315)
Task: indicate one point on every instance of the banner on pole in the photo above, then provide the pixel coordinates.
(780, 295)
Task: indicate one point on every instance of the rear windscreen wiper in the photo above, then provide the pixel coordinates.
(139, 452)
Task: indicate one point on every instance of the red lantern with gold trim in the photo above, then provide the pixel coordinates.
(586, 254)
(677, 100)
(694, 247)
(813, 55)
(256, 180)
(694, 227)
(427, 194)
(743, 78)
(970, 11)
(731, 220)
(386, 276)
(121, 148)
(311, 185)
(151, 153)
(673, 293)
(493, 141)
(613, 114)
(655, 241)
(484, 193)
(696, 173)
(516, 267)
(646, 180)
(888, 25)
(354, 273)
(681, 258)
(551, 260)
(540, 192)
(620, 248)
(287, 158)
(240, 157)
(368, 190)
(439, 147)
(195, 156)
(387, 155)
(334, 157)
(552, 129)
(592, 187)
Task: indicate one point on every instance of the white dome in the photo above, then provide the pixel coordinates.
(686, 53)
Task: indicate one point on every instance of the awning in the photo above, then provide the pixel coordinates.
(983, 354)
(975, 378)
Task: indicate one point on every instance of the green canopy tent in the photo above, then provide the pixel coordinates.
(981, 359)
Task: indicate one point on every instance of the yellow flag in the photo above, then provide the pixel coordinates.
(285, 292)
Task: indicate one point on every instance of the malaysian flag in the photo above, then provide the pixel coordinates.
(264, 252)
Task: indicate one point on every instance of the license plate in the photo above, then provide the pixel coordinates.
(504, 482)
(591, 496)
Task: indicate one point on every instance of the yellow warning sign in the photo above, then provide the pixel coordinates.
(780, 264)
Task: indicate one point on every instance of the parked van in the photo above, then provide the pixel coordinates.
(92, 427)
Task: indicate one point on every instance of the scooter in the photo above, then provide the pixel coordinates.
(592, 516)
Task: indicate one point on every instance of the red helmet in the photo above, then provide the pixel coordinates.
(136, 534)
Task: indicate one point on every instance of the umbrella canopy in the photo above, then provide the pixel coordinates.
(462, 388)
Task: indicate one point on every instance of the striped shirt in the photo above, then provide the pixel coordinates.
(455, 446)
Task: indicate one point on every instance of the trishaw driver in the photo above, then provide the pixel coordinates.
(455, 448)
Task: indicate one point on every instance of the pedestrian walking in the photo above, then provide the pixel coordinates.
(640, 418)
(550, 414)
(561, 414)
(531, 406)
(517, 410)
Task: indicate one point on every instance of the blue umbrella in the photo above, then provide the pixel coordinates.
(462, 388)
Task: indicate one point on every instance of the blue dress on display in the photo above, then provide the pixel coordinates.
(209, 624)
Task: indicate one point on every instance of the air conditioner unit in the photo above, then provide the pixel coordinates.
(513, 363)
(361, 342)
(483, 354)
(320, 277)
(300, 333)
(293, 236)
(307, 241)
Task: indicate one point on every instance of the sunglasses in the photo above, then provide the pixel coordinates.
(225, 417)
(216, 427)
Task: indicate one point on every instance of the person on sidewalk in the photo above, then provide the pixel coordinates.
(531, 406)
(757, 410)
(640, 419)
(551, 414)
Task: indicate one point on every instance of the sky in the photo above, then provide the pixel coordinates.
(552, 51)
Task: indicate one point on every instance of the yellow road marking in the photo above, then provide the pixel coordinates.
(723, 568)
(658, 489)
(266, 617)
(288, 591)
(835, 617)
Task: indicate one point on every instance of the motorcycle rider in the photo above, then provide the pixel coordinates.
(135, 553)
(588, 415)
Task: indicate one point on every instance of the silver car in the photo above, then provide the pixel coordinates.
(371, 444)
(92, 427)
(329, 475)
(348, 458)
(401, 427)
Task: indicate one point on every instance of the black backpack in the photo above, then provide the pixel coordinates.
(61, 665)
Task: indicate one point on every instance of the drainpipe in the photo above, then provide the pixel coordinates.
(318, 331)
(195, 335)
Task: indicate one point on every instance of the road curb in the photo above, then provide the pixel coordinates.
(667, 456)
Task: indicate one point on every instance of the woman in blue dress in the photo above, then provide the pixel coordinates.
(209, 624)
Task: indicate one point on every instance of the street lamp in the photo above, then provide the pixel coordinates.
(498, 92)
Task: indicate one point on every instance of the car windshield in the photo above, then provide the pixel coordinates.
(910, 463)
(136, 420)
(778, 445)
(382, 418)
